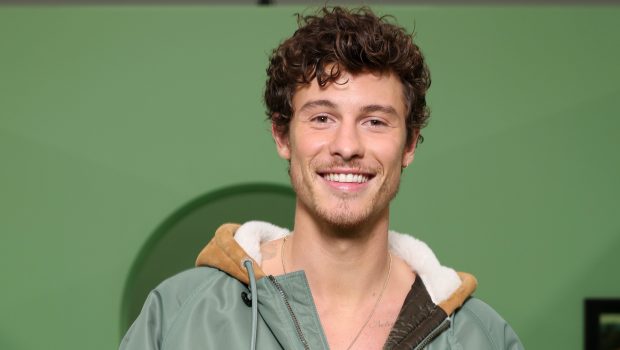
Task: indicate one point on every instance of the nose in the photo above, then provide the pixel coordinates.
(346, 142)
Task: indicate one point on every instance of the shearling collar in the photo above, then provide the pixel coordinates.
(232, 244)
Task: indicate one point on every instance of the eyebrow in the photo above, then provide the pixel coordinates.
(318, 103)
(365, 109)
(380, 108)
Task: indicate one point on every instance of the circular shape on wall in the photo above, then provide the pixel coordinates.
(173, 247)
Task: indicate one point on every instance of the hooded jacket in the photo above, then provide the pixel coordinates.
(227, 302)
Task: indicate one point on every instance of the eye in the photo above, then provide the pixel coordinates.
(321, 119)
(375, 123)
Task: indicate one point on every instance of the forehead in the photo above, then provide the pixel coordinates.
(354, 92)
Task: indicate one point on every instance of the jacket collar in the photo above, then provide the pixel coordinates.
(233, 243)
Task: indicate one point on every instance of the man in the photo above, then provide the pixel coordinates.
(346, 98)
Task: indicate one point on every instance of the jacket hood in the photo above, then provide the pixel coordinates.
(233, 244)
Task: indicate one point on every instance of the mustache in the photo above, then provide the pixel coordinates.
(354, 164)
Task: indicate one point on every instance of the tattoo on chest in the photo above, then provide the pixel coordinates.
(381, 324)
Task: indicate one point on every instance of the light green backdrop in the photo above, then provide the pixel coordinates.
(111, 118)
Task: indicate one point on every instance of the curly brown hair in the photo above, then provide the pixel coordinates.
(353, 40)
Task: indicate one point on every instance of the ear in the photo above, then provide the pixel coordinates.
(282, 142)
(409, 152)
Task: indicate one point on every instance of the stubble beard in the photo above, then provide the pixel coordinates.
(342, 218)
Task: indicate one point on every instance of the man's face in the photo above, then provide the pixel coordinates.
(346, 146)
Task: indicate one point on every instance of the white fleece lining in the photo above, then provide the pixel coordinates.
(440, 281)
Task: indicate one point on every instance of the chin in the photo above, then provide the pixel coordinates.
(347, 213)
(344, 218)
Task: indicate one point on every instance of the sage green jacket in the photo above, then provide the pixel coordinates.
(208, 307)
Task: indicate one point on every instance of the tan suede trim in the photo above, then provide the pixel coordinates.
(456, 300)
(224, 253)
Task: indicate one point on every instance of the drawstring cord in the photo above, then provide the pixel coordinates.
(254, 296)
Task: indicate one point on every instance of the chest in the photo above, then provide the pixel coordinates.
(358, 330)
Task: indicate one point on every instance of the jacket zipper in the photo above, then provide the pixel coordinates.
(445, 324)
(300, 334)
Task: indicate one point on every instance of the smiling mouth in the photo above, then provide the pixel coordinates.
(346, 178)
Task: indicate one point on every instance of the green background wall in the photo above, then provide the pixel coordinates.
(111, 118)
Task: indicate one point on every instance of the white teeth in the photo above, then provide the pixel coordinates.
(357, 178)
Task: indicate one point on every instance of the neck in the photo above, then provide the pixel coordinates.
(340, 264)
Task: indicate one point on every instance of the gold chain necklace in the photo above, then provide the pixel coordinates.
(374, 308)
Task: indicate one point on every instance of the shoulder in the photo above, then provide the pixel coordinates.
(184, 290)
(479, 312)
(189, 284)
(167, 306)
(477, 325)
